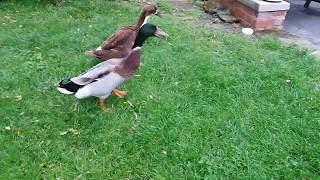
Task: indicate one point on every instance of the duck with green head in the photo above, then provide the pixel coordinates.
(119, 44)
(102, 79)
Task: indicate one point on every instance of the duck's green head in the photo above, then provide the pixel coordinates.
(148, 30)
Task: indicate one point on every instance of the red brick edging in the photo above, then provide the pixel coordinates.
(258, 20)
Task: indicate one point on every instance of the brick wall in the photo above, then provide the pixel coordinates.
(257, 20)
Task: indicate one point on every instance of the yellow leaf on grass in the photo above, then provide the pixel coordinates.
(70, 130)
(18, 98)
(75, 132)
(62, 133)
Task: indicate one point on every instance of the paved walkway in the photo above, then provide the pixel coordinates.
(304, 22)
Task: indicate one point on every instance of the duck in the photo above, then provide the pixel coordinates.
(119, 44)
(102, 79)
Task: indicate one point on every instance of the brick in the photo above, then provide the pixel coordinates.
(264, 15)
(269, 15)
(279, 18)
(279, 27)
(267, 24)
(223, 3)
(239, 13)
(278, 22)
(235, 6)
(228, 4)
(245, 9)
(258, 20)
(250, 11)
(279, 13)
(251, 20)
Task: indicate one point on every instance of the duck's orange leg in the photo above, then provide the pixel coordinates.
(119, 93)
(102, 106)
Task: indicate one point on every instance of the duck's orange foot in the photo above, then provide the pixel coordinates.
(119, 94)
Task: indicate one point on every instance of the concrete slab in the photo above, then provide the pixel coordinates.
(263, 6)
(304, 22)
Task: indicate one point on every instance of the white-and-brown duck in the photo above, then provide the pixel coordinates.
(102, 79)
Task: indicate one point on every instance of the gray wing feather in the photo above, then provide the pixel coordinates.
(98, 71)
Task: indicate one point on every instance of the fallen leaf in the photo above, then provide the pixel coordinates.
(150, 96)
(48, 142)
(288, 81)
(62, 133)
(75, 107)
(7, 18)
(7, 128)
(136, 115)
(132, 129)
(18, 98)
(75, 132)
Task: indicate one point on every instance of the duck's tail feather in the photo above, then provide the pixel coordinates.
(69, 87)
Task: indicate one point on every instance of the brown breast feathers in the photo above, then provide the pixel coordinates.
(129, 66)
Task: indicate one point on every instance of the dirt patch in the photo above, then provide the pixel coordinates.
(204, 19)
(181, 4)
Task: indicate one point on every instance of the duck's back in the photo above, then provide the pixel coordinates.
(122, 39)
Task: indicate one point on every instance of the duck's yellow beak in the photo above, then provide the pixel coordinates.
(161, 34)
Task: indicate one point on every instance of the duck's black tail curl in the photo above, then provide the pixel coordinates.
(69, 87)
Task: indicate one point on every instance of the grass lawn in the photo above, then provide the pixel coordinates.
(206, 104)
